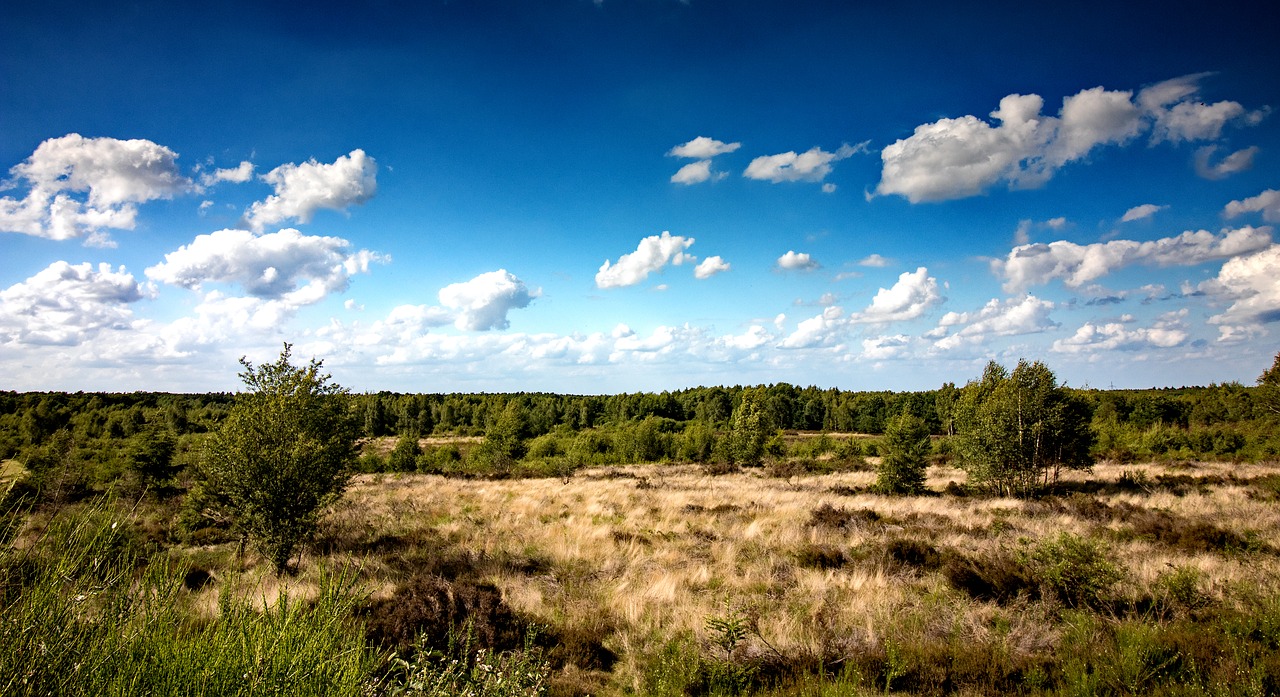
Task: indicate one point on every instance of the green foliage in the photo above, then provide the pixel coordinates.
(283, 453)
(906, 453)
(1016, 430)
(87, 611)
(750, 432)
(404, 457)
(697, 443)
(1269, 387)
(442, 459)
(1075, 568)
(466, 671)
(150, 456)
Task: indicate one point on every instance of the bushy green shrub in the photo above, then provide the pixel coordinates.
(404, 457)
(1075, 568)
(906, 452)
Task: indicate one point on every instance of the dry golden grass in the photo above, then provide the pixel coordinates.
(652, 552)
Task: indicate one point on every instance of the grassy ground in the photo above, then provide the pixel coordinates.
(641, 557)
(662, 580)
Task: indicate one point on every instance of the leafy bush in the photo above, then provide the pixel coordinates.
(1075, 568)
(404, 457)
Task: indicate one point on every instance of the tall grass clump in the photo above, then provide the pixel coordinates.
(86, 610)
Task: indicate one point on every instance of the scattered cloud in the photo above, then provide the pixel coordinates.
(65, 304)
(483, 302)
(884, 347)
(652, 254)
(913, 294)
(811, 166)
(1022, 234)
(703, 148)
(960, 157)
(301, 190)
(1146, 210)
(1267, 202)
(236, 175)
(695, 173)
(271, 266)
(1236, 162)
(821, 330)
(710, 267)
(874, 261)
(1036, 264)
(797, 261)
(1011, 317)
(1168, 331)
(1179, 117)
(81, 187)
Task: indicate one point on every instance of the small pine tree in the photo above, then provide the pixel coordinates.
(906, 452)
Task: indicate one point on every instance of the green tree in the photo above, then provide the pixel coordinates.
(906, 456)
(944, 401)
(283, 453)
(1269, 387)
(150, 456)
(404, 457)
(1014, 431)
(750, 429)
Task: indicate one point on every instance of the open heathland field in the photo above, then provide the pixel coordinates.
(664, 579)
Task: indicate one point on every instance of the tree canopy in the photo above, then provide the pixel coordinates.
(1016, 430)
(283, 453)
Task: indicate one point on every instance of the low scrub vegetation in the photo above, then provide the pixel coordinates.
(745, 541)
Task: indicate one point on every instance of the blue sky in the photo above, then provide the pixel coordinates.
(624, 195)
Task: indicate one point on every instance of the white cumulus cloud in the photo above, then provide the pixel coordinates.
(1267, 202)
(710, 266)
(882, 347)
(303, 189)
(652, 254)
(483, 302)
(1011, 317)
(797, 261)
(694, 173)
(1252, 284)
(822, 330)
(1146, 210)
(79, 187)
(65, 303)
(812, 165)
(913, 294)
(270, 266)
(1236, 162)
(1075, 264)
(1168, 331)
(960, 157)
(703, 148)
(236, 175)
